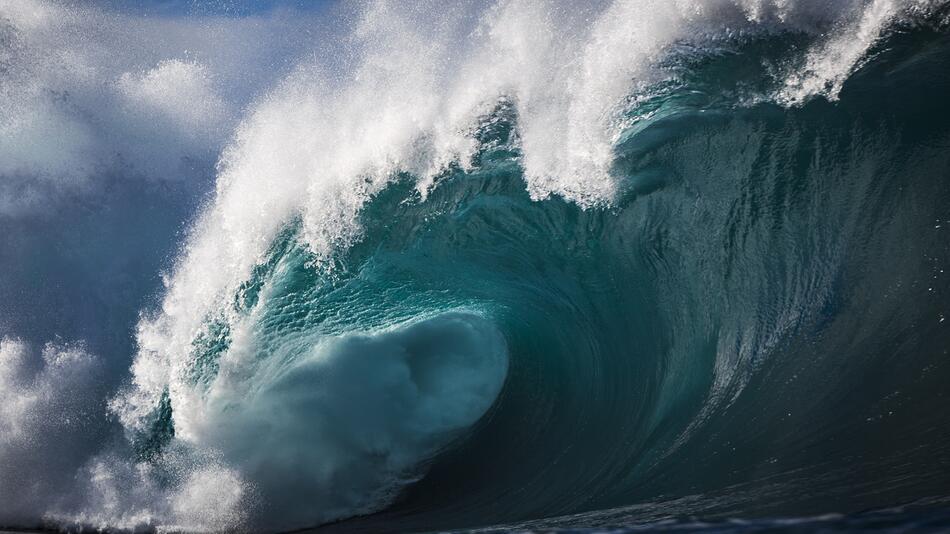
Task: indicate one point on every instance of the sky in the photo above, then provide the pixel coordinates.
(231, 8)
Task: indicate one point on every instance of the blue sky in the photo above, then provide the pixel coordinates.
(234, 8)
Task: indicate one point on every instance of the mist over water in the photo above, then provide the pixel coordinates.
(391, 267)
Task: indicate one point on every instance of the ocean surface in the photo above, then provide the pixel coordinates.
(530, 266)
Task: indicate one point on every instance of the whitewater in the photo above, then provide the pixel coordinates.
(513, 265)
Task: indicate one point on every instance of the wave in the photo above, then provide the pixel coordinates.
(534, 262)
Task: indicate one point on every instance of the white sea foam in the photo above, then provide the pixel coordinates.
(829, 64)
(183, 491)
(49, 412)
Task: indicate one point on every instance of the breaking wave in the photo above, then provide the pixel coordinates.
(525, 262)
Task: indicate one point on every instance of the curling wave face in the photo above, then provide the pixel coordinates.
(613, 264)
